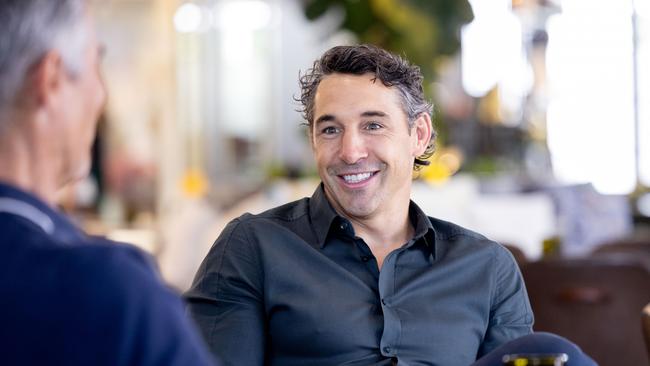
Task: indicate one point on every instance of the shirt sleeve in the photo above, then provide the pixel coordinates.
(510, 314)
(226, 299)
(136, 318)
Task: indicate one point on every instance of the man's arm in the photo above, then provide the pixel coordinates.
(510, 315)
(226, 299)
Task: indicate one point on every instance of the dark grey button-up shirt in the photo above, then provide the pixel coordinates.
(295, 286)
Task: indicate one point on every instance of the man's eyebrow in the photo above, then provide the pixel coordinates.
(329, 117)
(325, 118)
(374, 114)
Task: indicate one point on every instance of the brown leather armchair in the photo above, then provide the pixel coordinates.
(594, 302)
(631, 246)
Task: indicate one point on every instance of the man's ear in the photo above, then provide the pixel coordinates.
(45, 78)
(310, 135)
(422, 133)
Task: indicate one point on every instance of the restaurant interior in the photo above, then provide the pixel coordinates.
(542, 109)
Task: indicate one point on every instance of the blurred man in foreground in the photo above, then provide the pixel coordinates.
(67, 299)
(358, 274)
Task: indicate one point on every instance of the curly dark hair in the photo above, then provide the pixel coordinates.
(392, 70)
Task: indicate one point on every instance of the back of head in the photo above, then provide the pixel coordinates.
(28, 30)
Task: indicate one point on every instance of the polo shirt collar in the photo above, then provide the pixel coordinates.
(24, 204)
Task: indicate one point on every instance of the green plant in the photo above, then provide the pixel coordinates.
(421, 30)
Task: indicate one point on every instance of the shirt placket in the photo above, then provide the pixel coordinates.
(389, 343)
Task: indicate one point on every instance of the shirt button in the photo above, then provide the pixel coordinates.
(386, 349)
(343, 226)
(383, 301)
(365, 258)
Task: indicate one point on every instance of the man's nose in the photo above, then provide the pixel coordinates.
(353, 147)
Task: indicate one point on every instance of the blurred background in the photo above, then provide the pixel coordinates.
(542, 109)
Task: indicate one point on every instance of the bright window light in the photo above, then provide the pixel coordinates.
(492, 52)
(188, 18)
(244, 81)
(590, 116)
(242, 14)
(643, 59)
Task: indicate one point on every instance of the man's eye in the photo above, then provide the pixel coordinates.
(373, 126)
(329, 130)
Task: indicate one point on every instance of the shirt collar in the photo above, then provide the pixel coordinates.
(323, 216)
(39, 213)
(423, 227)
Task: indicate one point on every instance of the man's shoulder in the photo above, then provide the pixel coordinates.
(17, 229)
(118, 266)
(287, 212)
(26, 245)
(281, 224)
(110, 252)
(90, 269)
(447, 230)
(464, 239)
(114, 279)
(96, 293)
(78, 280)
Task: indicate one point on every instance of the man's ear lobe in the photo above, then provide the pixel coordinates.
(422, 127)
(45, 78)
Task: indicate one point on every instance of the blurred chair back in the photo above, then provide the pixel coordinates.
(593, 302)
(645, 323)
(517, 253)
(626, 246)
(637, 249)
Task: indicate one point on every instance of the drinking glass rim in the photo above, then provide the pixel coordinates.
(509, 357)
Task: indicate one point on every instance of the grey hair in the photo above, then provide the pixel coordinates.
(31, 28)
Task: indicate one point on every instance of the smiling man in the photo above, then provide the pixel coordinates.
(365, 147)
(358, 274)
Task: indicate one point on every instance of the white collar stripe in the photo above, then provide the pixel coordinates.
(29, 212)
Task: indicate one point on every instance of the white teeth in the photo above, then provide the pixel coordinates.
(356, 178)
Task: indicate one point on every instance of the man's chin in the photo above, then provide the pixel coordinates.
(356, 207)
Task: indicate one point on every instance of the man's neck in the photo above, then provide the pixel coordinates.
(389, 229)
(386, 230)
(24, 165)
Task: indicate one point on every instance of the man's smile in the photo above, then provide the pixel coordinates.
(357, 180)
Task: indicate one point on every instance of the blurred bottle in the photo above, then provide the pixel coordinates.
(551, 247)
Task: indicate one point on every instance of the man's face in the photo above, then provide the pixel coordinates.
(81, 101)
(362, 144)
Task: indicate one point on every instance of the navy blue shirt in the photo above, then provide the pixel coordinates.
(67, 299)
(296, 286)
